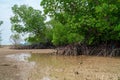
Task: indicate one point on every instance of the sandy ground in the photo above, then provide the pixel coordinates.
(63, 67)
(9, 69)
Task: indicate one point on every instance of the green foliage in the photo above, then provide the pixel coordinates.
(72, 21)
(59, 33)
(86, 21)
(63, 34)
(27, 20)
(1, 22)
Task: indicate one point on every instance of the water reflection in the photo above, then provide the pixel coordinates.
(20, 57)
(50, 67)
(23, 65)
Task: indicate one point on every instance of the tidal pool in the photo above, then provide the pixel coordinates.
(51, 67)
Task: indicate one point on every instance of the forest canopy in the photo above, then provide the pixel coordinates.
(27, 20)
(86, 21)
(89, 22)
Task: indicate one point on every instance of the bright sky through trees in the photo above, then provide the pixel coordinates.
(6, 13)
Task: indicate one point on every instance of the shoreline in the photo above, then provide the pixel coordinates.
(7, 50)
(85, 65)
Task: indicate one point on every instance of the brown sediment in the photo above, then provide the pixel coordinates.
(13, 70)
(53, 67)
(7, 50)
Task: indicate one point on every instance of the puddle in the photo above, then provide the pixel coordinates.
(20, 57)
(22, 63)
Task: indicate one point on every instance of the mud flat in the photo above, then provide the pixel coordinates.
(11, 69)
(41, 65)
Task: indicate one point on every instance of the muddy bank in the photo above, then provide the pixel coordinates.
(22, 65)
(16, 70)
(6, 50)
(8, 69)
(51, 67)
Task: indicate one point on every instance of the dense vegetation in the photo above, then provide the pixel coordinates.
(27, 20)
(31, 22)
(80, 24)
(86, 21)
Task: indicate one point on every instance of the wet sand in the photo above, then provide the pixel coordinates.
(11, 69)
(42, 66)
(51, 67)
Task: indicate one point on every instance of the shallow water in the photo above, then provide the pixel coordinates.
(51, 67)
(20, 57)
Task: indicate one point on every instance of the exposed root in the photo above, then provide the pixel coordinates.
(78, 49)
